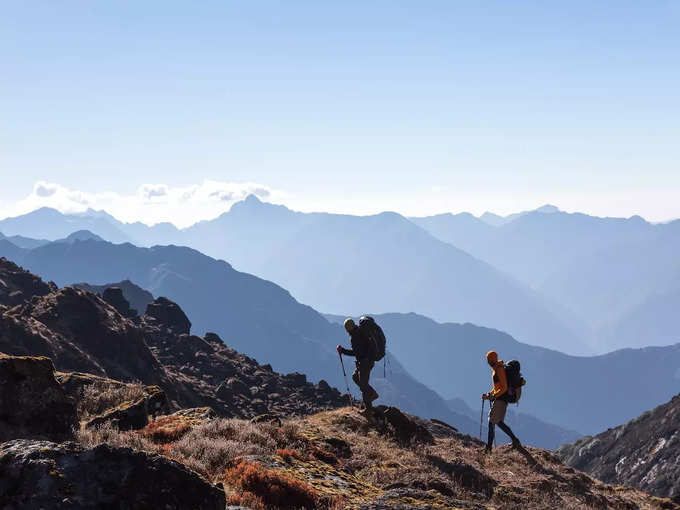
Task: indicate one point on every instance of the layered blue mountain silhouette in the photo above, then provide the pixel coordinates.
(340, 263)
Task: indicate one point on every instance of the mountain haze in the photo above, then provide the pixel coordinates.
(326, 260)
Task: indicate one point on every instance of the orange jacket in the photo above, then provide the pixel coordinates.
(500, 380)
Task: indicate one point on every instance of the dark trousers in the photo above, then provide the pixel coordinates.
(504, 428)
(361, 375)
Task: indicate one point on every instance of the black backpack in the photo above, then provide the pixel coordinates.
(513, 372)
(375, 335)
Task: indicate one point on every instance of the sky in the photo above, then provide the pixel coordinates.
(173, 110)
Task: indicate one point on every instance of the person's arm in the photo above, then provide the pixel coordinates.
(347, 352)
(501, 386)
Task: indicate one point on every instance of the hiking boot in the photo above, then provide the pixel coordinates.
(373, 396)
(516, 444)
(487, 450)
(367, 412)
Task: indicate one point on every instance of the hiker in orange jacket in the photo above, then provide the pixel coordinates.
(499, 401)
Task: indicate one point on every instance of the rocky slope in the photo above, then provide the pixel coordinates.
(81, 332)
(17, 285)
(643, 453)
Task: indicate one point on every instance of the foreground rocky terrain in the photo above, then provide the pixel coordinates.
(103, 408)
(643, 453)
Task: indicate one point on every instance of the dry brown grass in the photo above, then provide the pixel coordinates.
(101, 396)
(108, 434)
(265, 466)
(214, 446)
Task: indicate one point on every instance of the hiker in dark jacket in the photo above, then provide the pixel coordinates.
(364, 352)
(499, 401)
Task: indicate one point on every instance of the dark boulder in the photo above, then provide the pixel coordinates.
(296, 379)
(169, 314)
(114, 297)
(41, 474)
(32, 403)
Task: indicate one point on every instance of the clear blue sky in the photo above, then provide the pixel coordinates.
(357, 106)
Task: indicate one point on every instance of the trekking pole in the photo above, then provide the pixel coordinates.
(349, 394)
(481, 418)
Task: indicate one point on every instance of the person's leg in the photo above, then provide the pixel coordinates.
(496, 415)
(491, 436)
(508, 431)
(368, 367)
(360, 377)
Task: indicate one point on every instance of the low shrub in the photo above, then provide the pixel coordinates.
(247, 500)
(166, 429)
(101, 396)
(272, 487)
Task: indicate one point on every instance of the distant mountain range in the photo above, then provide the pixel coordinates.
(344, 263)
(620, 277)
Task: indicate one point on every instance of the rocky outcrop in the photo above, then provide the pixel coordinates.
(83, 333)
(644, 453)
(18, 285)
(136, 297)
(89, 337)
(208, 373)
(168, 314)
(32, 403)
(114, 297)
(41, 474)
(135, 414)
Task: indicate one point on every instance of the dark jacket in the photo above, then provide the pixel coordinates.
(362, 346)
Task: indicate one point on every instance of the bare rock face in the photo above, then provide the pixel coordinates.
(81, 332)
(18, 285)
(32, 403)
(41, 474)
(644, 453)
(169, 314)
(114, 297)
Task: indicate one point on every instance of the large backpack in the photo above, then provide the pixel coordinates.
(513, 373)
(375, 335)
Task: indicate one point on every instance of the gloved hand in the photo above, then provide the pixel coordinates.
(486, 396)
(339, 349)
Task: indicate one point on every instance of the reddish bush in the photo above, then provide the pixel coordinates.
(246, 499)
(166, 429)
(273, 488)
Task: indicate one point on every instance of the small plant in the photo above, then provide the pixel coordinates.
(246, 499)
(166, 429)
(273, 488)
(288, 455)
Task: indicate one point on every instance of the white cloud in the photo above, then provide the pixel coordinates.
(151, 203)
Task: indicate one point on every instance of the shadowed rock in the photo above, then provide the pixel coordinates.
(18, 285)
(32, 403)
(41, 474)
(169, 314)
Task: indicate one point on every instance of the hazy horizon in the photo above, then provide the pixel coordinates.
(153, 204)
